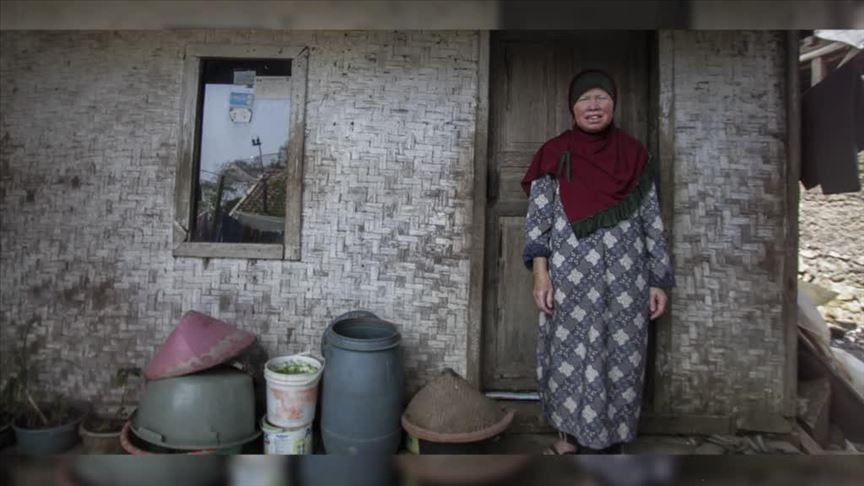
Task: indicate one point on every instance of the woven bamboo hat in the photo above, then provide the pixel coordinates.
(449, 409)
(197, 343)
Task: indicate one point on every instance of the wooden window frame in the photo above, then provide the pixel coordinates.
(184, 190)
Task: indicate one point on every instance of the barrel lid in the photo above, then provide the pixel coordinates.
(362, 333)
(449, 409)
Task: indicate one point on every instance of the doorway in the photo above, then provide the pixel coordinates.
(529, 75)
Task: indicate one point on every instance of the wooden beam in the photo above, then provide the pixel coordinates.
(808, 444)
(478, 216)
(817, 70)
(789, 312)
(663, 396)
(821, 51)
(259, 251)
(296, 155)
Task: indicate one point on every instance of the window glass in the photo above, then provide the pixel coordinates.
(243, 132)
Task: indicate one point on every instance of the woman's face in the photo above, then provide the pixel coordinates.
(593, 111)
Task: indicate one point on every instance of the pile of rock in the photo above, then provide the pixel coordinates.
(831, 256)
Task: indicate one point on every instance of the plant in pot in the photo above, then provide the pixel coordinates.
(100, 434)
(47, 427)
(8, 406)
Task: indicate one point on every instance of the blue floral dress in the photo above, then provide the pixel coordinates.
(591, 350)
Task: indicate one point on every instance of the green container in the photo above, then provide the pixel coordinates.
(213, 409)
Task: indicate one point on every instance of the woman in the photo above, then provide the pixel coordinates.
(595, 244)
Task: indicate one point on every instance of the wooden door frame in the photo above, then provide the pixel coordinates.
(660, 140)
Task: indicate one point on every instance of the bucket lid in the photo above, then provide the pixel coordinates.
(449, 409)
(197, 343)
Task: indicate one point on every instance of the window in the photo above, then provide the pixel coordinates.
(239, 175)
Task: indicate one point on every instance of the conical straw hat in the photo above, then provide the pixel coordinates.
(449, 409)
(197, 343)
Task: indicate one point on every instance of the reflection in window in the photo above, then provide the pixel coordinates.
(243, 133)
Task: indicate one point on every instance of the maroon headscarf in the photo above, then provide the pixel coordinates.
(597, 172)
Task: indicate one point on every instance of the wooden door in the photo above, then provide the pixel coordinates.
(530, 74)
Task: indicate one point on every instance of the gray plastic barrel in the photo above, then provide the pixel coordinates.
(362, 386)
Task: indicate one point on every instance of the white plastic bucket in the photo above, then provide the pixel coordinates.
(291, 399)
(280, 440)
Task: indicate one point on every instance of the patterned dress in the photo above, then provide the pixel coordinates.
(591, 351)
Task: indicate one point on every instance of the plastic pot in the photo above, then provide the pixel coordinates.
(148, 470)
(52, 440)
(7, 434)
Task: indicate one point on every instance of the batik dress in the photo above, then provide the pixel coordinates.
(591, 350)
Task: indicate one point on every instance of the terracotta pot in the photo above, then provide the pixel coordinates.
(99, 442)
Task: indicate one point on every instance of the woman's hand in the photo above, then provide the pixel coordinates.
(657, 302)
(543, 296)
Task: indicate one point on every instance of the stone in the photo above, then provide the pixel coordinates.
(846, 325)
(817, 293)
(807, 253)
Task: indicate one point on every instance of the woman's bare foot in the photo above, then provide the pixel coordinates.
(560, 447)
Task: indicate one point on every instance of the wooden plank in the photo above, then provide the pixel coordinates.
(817, 53)
(651, 143)
(817, 70)
(243, 51)
(529, 419)
(661, 390)
(762, 421)
(808, 444)
(296, 153)
(478, 213)
(847, 407)
(497, 83)
(523, 115)
(184, 183)
(792, 197)
(660, 424)
(510, 186)
(229, 250)
(516, 316)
